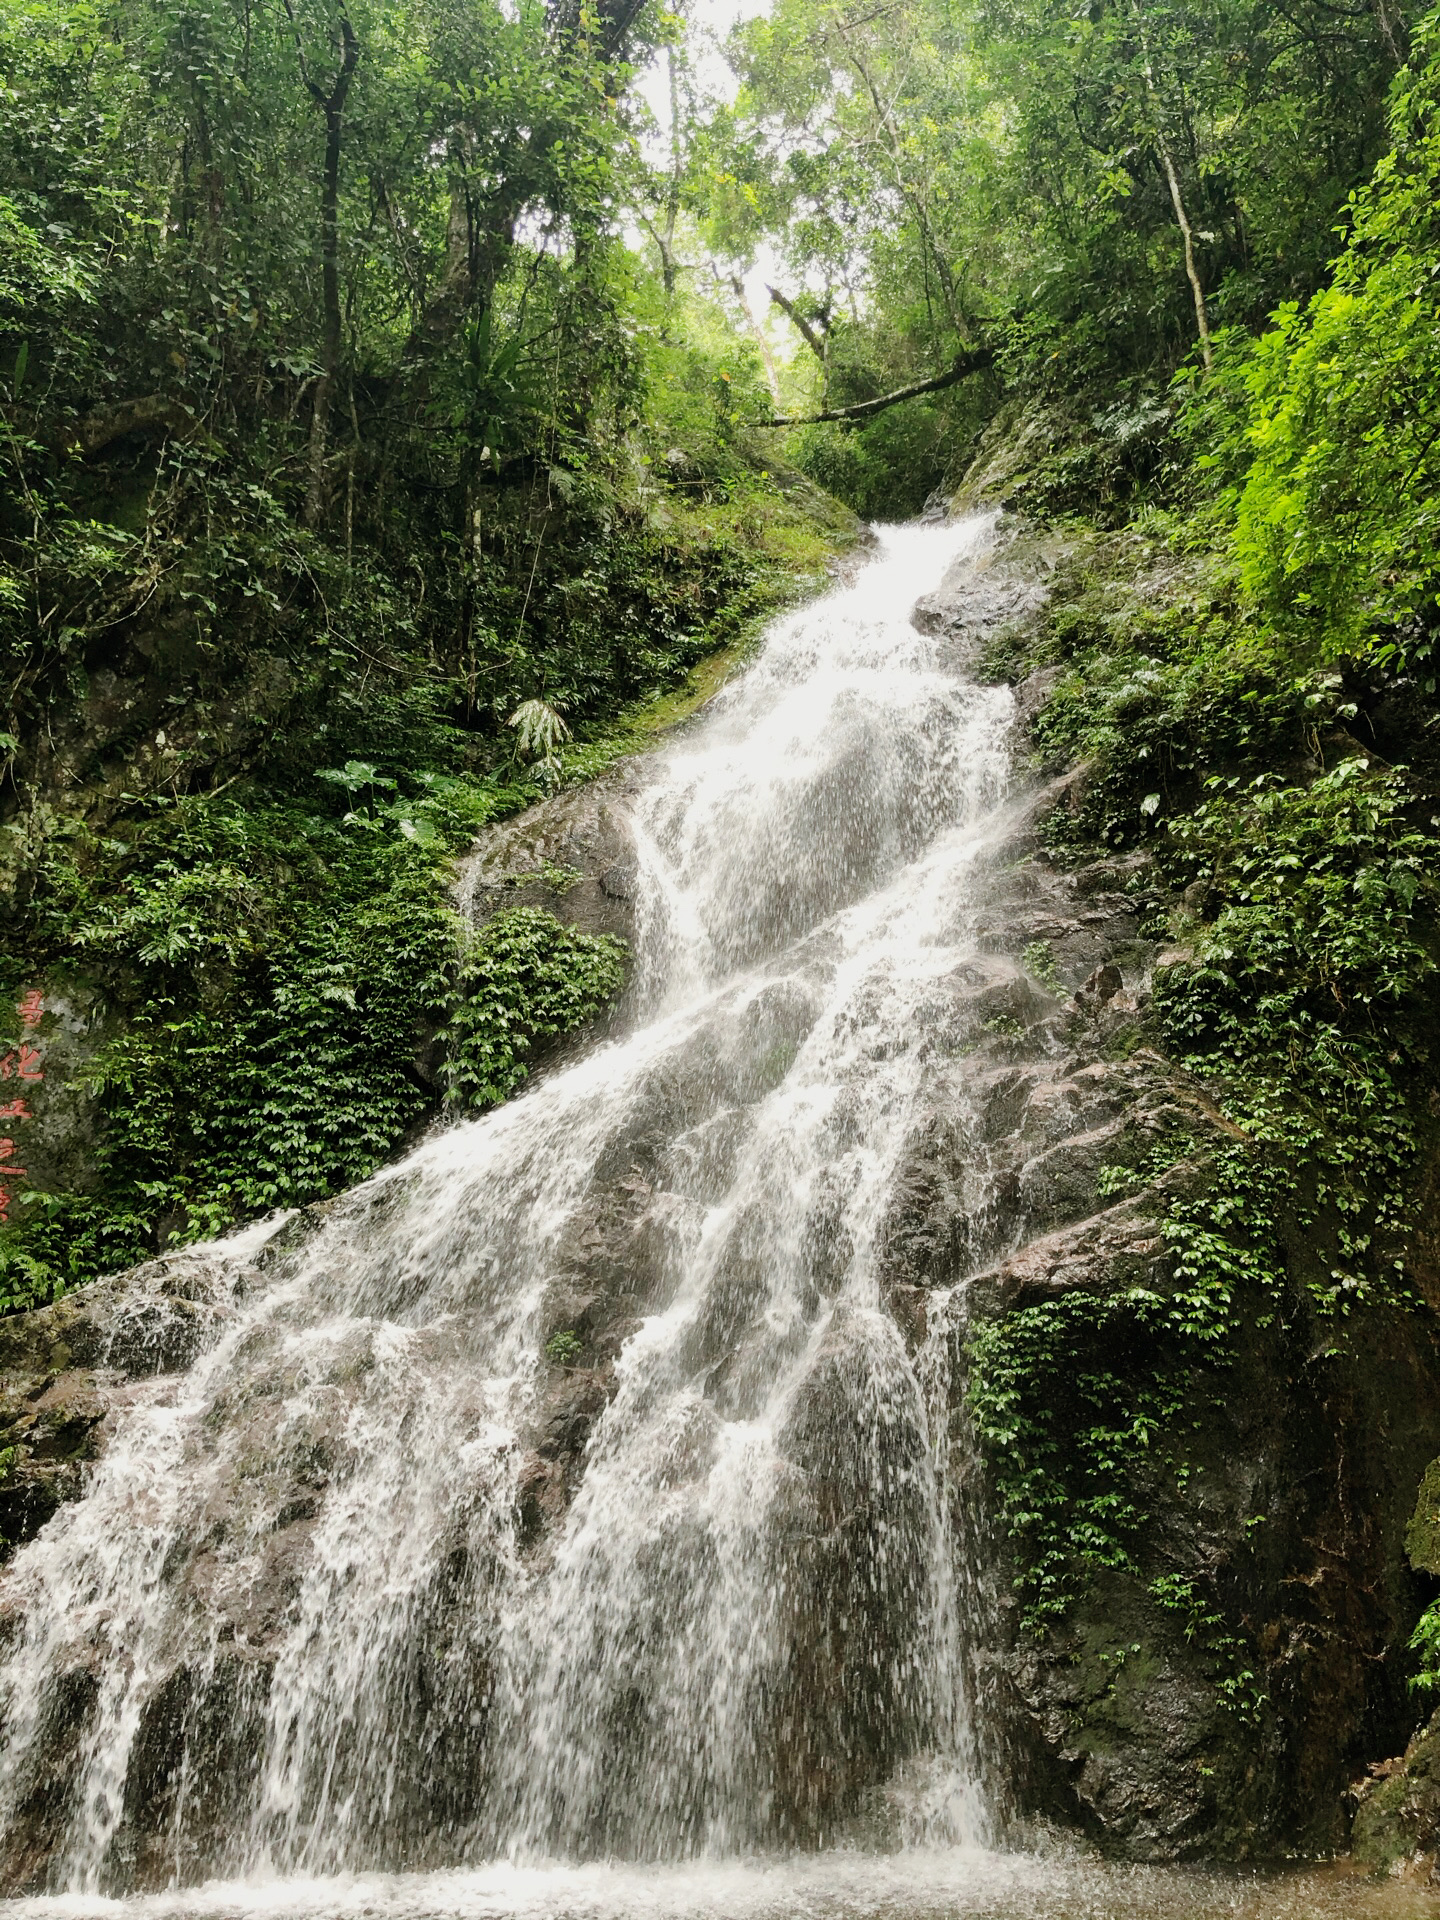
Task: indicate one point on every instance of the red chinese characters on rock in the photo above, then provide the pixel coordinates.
(20, 1063)
(9, 1170)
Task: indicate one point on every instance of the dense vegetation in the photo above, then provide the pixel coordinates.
(386, 419)
(342, 430)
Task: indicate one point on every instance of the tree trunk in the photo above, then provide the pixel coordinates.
(1192, 272)
(913, 194)
(672, 189)
(1177, 199)
(807, 332)
(332, 106)
(973, 360)
(772, 373)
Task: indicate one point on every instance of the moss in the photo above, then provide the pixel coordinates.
(1398, 1814)
(1422, 1535)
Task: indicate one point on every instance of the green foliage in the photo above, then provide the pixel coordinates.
(1067, 1402)
(1009, 170)
(270, 976)
(539, 730)
(1004, 1026)
(1422, 1545)
(1311, 998)
(1235, 1680)
(267, 974)
(1425, 1641)
(888, 469)
(1309, 1005)
(525, 977)
(1328, 890)
(1159, 686)
(1038, 961)
(564, 1349)
(1338, 518)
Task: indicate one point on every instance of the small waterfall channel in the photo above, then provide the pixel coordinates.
(747, 1624)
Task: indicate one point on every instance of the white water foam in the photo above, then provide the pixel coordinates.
(949, 1884)
(296, 1612)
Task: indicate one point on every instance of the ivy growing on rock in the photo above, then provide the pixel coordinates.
(1300, 991)
(1308, 1007)
(524, 978)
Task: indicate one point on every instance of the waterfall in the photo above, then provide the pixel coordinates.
(338, 1598)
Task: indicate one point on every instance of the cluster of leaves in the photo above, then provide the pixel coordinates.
(1066, 1399)
(525, 977)
(1156, 687)
(1202, 1623)
(1339, 515)
(1312, 995)
(1078, 1398)
(1425, 1643)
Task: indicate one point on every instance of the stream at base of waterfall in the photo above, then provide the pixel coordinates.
(297, 1641)
(957, 1883)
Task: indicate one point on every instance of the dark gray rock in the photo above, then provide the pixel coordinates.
(1397, 1811)
(65, 1368)
(572, 855)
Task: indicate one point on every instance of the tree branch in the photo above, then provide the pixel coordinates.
(975, 360)
(807, 331)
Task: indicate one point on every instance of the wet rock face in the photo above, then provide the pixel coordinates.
(573, 855)
(1397, 1810)
(1396, 1802)
(1302, 1458)
(1039, 1069)
(1302, 1455)
(65, 1369)
(1014, 575)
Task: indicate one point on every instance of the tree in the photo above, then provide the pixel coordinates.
(1339, 510)
(331, 103)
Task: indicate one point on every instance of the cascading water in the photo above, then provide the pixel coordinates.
(301, 1622)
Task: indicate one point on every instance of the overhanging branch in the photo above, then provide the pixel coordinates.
(974, 360)
(807, 331)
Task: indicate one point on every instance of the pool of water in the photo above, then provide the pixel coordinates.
(953, 1884)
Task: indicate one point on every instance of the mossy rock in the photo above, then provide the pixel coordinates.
(1398, 1817)
(1422, 1535)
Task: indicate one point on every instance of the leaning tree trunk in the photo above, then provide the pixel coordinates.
(1177, 198)
(1192, 272)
